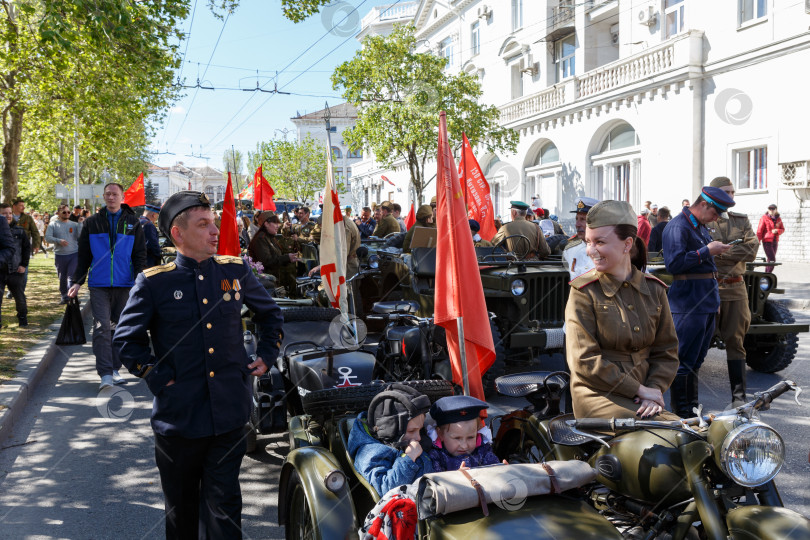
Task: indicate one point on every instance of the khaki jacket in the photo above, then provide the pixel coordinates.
(386, 226)
(528, 229)
(352, 244)
(732, 263)
(618, 336)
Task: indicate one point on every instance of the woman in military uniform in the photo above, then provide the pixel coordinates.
(621, 345)
(266, 249)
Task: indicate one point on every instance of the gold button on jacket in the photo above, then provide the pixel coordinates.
(612, 349)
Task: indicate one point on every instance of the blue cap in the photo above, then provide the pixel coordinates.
(584, 204)
(451, 409)
(553, 217)
(474, 226)
(717, 198)
(152, 208)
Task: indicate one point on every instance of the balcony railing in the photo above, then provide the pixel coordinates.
(534, 104)
(390, 12)
(625, 72)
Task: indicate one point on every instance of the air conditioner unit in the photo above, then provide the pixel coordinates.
(532, 70)
(647, 16)
(485, 12)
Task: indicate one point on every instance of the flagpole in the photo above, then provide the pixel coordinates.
(462, 351)
(235, 174)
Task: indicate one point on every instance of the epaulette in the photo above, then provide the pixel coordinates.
(573, 243)
(585, 279)
(155, 270)
(228, 259)
(737, 214)
(652, 277)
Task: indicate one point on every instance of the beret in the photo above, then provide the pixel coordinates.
(474, 226)
(451, 409)
(176, 204)
(611, 213)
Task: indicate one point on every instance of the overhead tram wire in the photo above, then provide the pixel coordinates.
(180, 130)
(307, 70)
(180, 75)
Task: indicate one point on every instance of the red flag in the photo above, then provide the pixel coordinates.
(476, 192)
(262, 192)
(135, 195)
(228, 231)
(458, 291)
(410, 219)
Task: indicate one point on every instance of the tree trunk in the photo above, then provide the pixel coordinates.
(11, 153)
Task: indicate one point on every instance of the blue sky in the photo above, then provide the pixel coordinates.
(255, 37)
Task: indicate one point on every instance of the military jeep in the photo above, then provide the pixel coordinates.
(526, 300)
(772, 339)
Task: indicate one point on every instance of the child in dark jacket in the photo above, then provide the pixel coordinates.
(385, 443)
(460, 436)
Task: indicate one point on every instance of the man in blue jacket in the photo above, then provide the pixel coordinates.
(112, 251)
(150, 234)
(694, 299)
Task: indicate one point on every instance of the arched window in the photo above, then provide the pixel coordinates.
(616, 168)
(622, 136)
(495, 160)
(336, 153)
(548, 154)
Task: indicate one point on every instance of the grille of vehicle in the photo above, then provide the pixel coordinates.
(548, 294)
(756, 298)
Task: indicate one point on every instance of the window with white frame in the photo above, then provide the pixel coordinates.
(566, 61)
(517, 80)
(475, 38)
(354, 153)
(446, 50)
(751, 168)
(517, 14)
(220, 193)
(673, 17)
(752, 9)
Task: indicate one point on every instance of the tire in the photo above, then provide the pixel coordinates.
(309, 313)
(299, 524)
(322, 403)
(771, 356)
(498, 368)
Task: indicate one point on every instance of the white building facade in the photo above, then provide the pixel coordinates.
(179, 177)
(634, 100)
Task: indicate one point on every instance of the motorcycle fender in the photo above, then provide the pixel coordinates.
(333, 512)
(766, 523)
(300, 433)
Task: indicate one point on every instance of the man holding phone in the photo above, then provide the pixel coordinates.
(735, 315)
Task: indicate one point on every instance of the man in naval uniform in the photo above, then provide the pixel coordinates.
(199, 372)
(576, 259)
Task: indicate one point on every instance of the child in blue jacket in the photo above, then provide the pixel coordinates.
(385, 442)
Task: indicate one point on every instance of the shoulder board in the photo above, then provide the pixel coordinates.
(227, 259)
(155, 270)
(573, 243)
(585, 279)
(653, 278)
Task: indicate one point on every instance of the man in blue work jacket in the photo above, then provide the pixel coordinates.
(693, 297)
(200, 372)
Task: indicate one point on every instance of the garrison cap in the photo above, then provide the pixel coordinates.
(177, 203)
(721, 181)
(424, 212)
(152, 208)
(388, 205)
(474, 225)
(519, 205)
(584, 204)
(611, 213)
(451, 409)
(433, 200)
(717, 198)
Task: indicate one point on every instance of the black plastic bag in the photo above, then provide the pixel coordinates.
(72, 330)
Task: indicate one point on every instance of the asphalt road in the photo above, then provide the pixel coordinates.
(81, 466)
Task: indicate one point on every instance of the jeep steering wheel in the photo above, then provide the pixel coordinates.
(522, 245)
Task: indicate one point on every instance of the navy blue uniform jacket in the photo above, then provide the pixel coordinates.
(150, 236)
(192, 311)
(685, 252)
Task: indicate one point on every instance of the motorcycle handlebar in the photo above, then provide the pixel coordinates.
(763, 399)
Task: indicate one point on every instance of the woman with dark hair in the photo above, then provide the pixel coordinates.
(621, 344)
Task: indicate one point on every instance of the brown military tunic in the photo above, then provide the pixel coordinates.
(537, 243)
(618, 335)
(735, 315)
(304, 230)
(352, 244)
(276, 261)
(386, 226)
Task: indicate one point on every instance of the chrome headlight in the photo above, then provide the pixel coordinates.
(334, 481)
(518, 287)
(752, 454)
(374, 262)
(765, 284)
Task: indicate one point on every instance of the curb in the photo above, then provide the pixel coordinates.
(797, 305)
(14, 394)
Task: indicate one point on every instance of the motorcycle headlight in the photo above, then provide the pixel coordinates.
(518, 287)
(752, 454)
(765, 284)
(374, 262)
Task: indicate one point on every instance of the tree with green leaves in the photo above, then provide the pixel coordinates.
(399, 94)
(150, 192)
(295, 170)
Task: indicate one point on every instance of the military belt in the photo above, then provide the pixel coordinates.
(729, 281)
(683, 277)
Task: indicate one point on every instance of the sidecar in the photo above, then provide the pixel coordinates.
(322, 496)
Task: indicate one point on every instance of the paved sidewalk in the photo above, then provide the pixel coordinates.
(795, 279)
